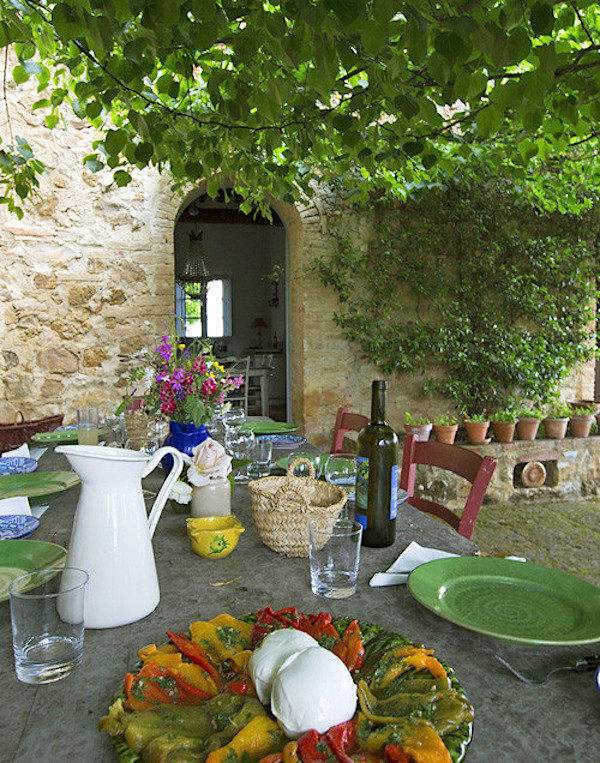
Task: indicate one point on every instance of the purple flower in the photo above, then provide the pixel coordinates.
(164, 349)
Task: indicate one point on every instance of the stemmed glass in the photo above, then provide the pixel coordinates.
(238, 442)
(340, 470)
(234, 417)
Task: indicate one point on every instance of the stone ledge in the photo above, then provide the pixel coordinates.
(572, 471)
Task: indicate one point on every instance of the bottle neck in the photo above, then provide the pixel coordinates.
(378, 398)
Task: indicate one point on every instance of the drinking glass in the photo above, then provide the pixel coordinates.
(260, 453)
(334, 551)
(340, 469)
(46, 609)
(87, 425)
(303, 470)
(238, 442)
(234, 417)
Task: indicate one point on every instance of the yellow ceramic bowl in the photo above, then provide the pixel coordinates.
(214, 537)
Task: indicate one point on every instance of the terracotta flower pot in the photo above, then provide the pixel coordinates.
(556, 429)
(420, 431)
(527, 428)
(504, 431)
(444, 433)
(580, 425)
(477, 432)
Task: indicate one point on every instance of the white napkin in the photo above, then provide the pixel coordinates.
(22, 450)
(18, 505)
(412, 556)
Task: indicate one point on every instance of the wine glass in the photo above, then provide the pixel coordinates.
(303, 470)
(233, 418)
(238, 443)
(340, 470)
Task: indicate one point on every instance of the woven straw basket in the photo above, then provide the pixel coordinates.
(19, 432)
(282, 507)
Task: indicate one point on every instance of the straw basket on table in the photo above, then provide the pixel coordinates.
(282, 507)
(19, 432)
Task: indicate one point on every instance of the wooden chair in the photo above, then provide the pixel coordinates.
(240, 396)
(471, 466)
(346, 421)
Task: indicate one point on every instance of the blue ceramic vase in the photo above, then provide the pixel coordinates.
(184, 437)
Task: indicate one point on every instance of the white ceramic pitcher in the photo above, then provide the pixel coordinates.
(112, 535)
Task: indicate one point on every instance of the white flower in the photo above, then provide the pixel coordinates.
(181, 492)
(208, 462)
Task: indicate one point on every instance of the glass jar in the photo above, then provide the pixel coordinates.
(212, 500)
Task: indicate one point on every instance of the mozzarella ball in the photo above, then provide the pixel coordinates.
(313, 689)
(270, 655)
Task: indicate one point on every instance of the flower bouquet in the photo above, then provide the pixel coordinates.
(187, 384)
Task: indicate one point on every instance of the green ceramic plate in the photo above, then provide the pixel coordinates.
(270, 427)
(18, 557)
(58, 435)
(36, 484)
(517, 602)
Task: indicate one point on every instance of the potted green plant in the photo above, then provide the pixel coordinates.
(420, 426)
(445, 427)
(504, 423)
(528, 423)
(582, 418)
(476, 427)
(556, 421)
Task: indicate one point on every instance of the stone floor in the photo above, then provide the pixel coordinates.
(561, 534)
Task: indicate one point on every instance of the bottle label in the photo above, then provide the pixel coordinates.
(362, 491)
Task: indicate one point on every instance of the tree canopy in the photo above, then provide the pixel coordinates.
(387, 96)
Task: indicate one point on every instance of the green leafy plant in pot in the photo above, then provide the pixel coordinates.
(476, 426)
(504, 422)
(445, 427)
(420, 426)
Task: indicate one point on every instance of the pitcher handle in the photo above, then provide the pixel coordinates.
(165, 490)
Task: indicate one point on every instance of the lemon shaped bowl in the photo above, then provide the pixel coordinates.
(214, 537)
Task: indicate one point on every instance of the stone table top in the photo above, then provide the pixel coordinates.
(513, 722)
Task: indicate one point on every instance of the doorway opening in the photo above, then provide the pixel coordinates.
(230, 287)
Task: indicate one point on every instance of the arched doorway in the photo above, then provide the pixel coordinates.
(239, 264)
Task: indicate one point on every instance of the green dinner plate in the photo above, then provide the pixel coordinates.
(18, 557)
(516, 602)
(270, 427)
(58, 435)
(36, 484)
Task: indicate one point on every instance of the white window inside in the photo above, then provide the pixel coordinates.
(205, 312)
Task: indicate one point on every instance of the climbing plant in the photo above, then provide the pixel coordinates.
(483, 296)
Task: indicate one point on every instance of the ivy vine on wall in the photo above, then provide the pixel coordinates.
(486, 298)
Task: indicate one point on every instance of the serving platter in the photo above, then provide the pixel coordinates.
(379, 644)
(18, 557)
(37, 484)
(511, 601)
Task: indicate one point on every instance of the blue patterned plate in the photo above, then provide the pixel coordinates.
(13, 526)
(284, 441)
(17, 465)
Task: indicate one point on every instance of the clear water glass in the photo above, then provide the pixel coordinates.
(334, 554)
(238, 443)
(47, 615)
(234, 418)
(87, 425)
(260, 453)
(340, 469)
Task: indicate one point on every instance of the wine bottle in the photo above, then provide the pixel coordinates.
(377, 474)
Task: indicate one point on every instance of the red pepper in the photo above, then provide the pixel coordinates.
(275, 757)
(313, 747)
(192, 692)
(239, 687)
(155, 685)
(395, 754)
(341, 737)
(195, 653)
(352, 639)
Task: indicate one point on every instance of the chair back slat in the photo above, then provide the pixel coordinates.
(465, 463)
(346, 421)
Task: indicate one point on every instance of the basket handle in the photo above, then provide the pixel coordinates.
(17, 414)
(300, 460)
(291, 494)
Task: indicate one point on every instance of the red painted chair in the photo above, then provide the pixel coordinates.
(346, 421)
(471, 466)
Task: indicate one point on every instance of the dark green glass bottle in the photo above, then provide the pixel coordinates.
(377, 475)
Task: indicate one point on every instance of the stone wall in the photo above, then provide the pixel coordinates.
(88, 275)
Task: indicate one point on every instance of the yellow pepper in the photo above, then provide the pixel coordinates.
(222, 637)
(258, 738)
